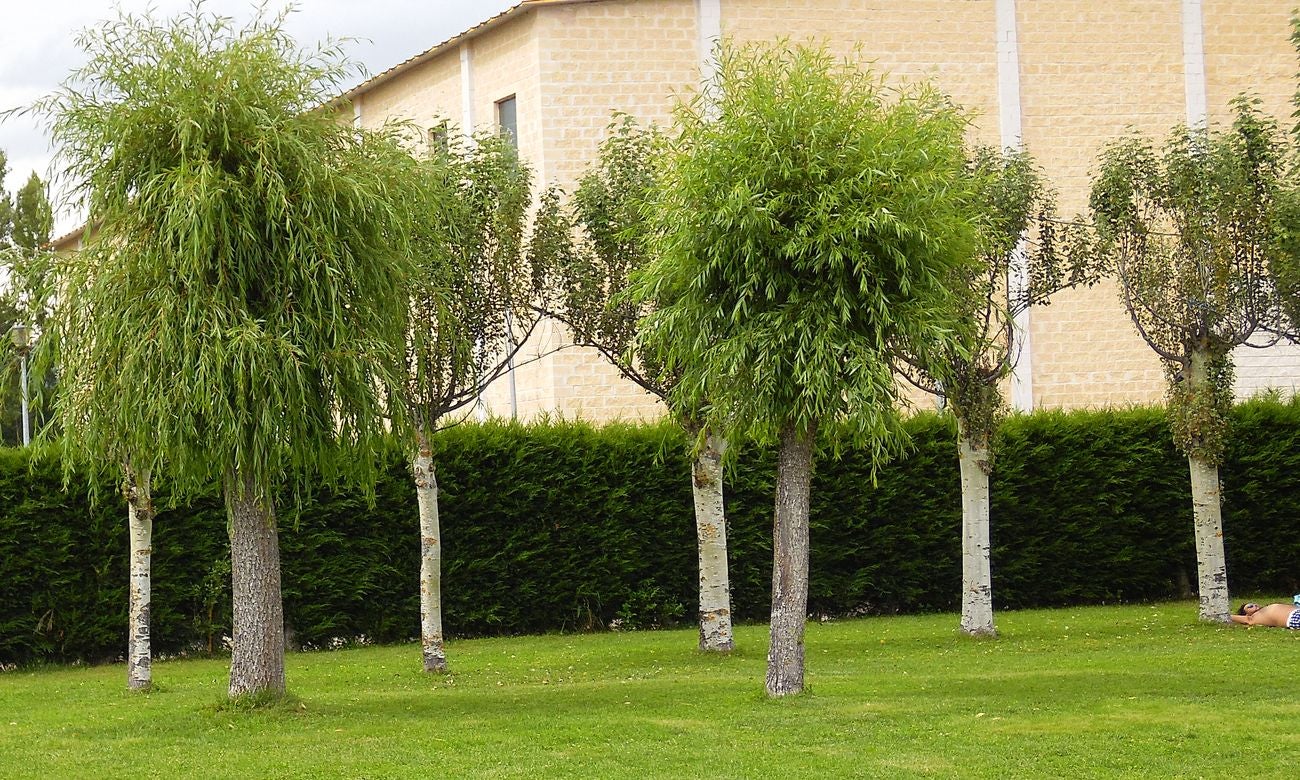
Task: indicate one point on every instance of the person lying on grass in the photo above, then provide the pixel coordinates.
(1275, 615)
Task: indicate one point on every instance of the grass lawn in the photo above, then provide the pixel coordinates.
(1134, 691)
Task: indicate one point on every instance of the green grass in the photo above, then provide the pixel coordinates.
(1134, 691)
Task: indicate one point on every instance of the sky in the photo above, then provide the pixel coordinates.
(38, 50)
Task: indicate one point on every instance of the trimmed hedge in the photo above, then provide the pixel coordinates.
(564, 527)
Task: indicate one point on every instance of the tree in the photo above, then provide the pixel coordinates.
(1013, 200)
(6, 205)
(33, 219)
(1189, 231)
(1285, 269)
(471, 313)
(595, 305)
(239, 317)
(800, 239)
(26, 221)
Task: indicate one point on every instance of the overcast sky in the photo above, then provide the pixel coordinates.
(38, 48)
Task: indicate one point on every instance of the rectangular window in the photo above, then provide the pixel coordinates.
(437, 138)
(507, 119)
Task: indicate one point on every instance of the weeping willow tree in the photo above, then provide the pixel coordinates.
(239, 315)
(1019, 236)
(473, 308)
(1191, 229)
(803, 235)
(594, 302)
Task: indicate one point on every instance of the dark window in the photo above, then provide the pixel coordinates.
(437, 139)
(507, 121)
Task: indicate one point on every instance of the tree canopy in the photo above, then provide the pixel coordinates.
(593, 299)
(1192, 230)
(803, 233)
(480, 273)
(242, 304)
(26, 221)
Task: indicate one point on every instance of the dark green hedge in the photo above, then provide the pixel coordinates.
(567, 527)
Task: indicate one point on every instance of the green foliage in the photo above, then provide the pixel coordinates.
(477, 277)
(807, 220)
(1199, 412)
(1092, 507)
(6, 204)
(33, 217)
(607, 206)
(647, 607)
(1261, 477)
(1019, 236)
(563, 527)
(26, 220)
(241, 308)
(1193, 232)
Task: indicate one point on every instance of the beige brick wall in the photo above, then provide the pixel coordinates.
(951, 42)
(1261, 370)
(1247, 49)
(424, 96)
(1088, 72)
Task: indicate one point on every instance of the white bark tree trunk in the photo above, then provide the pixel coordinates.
(711, 532)
(785, 654)
(1207, 519)
(976, 571)
(257, 652)
(426, 496)
(139, 503)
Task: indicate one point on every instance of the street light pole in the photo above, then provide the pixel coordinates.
(22, 338)
(27, 423)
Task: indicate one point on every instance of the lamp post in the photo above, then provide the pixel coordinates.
(22, 338)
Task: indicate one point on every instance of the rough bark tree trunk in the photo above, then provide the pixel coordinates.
(257, 652)
(976, 571)
(426, 495)
(139, 503)
(1207, 519)
(711, 533)
(785, 654)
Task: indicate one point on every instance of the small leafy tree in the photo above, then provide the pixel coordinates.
(1013, 201)
(240, 315)
(33, 218)
(472, 310)
(801, 238)
(594, 303)
(1189, 231)
(26, 221)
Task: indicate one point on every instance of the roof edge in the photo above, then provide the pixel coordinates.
(518, 9)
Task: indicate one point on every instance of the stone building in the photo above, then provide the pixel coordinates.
(1062, 77)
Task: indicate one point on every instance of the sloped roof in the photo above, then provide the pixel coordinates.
(66, 240)
(518, 9)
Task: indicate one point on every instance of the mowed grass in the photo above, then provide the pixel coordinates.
(1132, 691)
